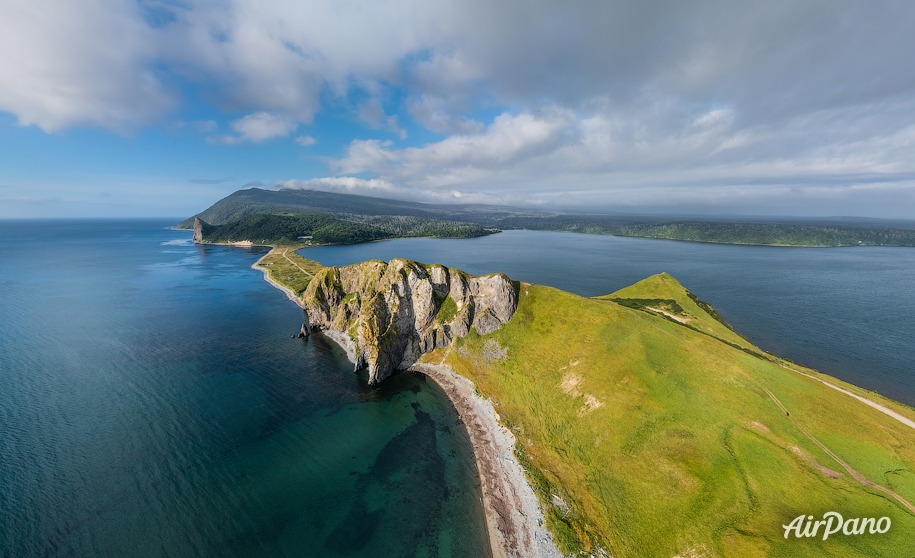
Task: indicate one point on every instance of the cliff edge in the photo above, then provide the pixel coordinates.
(395, 312)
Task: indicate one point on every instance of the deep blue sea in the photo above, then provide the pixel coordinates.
(848, 312)
(152, 403)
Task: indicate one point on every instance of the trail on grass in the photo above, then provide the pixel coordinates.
(885, 410)
(288, 259)
(851, 471)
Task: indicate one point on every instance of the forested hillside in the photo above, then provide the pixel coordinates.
(267, 216)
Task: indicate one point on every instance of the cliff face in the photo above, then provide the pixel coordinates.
(394, 312)
(200, 228)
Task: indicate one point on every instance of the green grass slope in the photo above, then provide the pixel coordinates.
(289, 269)
(663, 295)
(650, 433)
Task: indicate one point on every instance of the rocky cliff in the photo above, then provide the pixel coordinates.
(200, 229)
(394, 312)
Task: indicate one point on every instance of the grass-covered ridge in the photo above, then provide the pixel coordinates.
(648, 435)
(288, 269)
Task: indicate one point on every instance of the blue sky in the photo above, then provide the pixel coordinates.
(161, 107)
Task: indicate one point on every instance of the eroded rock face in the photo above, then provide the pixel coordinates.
(394, 312)
(200, 229)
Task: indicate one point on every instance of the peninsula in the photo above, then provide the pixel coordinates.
(643, 423)
(311, 217)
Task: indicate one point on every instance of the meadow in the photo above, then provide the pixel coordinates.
(648, 434)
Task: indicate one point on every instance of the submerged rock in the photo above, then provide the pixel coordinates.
(395, 312)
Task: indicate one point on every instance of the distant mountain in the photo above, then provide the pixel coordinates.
(308, 216)
(352, 218)
(258, 201)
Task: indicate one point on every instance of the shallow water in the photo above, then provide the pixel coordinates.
(152, 403)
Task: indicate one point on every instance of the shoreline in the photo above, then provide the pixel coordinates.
(513, 518)
(289, 294)
(514, 523)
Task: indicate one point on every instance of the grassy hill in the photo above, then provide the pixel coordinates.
(650, 428)
(375, 218)
(667, 435)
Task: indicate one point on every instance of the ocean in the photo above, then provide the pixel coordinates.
(154, 403)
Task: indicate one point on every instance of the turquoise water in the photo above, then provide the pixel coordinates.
(152, 403)
(848, 312)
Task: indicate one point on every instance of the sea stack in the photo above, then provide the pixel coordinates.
(198, 230)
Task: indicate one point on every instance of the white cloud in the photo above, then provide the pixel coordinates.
(382, 188)
(347, 184)
(99, 61)
(438, 115)
(68, 63)
(258, 127)
(283, 56)
(667, 159)
(507, 140)
(372, 114)
(599, 98)
(261, 126)
(102, 62)
(306, 141)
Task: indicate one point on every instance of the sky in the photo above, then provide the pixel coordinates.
(122, 108)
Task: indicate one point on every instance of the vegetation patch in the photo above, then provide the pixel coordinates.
(652, 304)
(289, 269)
(293, 229)
(447, 310)
(670, 460)
(707, 308)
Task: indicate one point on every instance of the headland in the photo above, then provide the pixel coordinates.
(643, 424)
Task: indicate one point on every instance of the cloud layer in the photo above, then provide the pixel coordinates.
(65, 63)
(784, 106)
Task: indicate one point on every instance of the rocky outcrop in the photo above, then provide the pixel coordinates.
(394, 312)
(200, 229)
